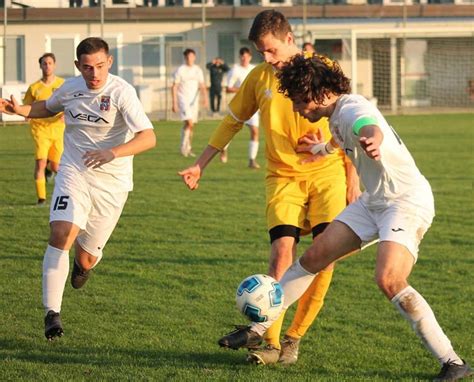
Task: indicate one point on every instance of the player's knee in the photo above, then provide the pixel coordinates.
(60, 236)
(54, 166)
(390, 284)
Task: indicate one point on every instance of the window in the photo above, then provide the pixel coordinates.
(15, 59)
(153, 54)
(226, 47)
(114, 52)
(64, 50)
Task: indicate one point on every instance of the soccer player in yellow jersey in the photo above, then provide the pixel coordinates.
(47, 132)
(301, 198)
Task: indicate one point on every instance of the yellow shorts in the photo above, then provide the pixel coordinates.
(47, 147)
(305, 203)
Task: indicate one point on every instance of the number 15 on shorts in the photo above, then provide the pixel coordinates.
(60, 203)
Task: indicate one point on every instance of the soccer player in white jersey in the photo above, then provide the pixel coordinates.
(235, 78)
(397, 206)
(188, 82)
(105, 127)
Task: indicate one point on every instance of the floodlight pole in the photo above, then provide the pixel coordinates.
(304, 21)
(102, 4)
(4, 42)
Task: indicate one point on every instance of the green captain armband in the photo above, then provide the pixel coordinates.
(364, 121)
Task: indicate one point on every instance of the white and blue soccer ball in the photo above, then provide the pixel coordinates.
(260, 298)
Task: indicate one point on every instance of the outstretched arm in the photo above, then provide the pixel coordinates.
(35, 110)
(142, 141)
(352, 180)
(191, 175)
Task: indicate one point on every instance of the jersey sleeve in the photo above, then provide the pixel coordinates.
(132, 111)
(28, 99)
(224, 133)
(245, 104)
(231, 78)
(55, 102)
(176, 77)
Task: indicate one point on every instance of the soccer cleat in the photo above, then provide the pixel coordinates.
(241, 337)
(264, 356)
(41, 202)
(78, 276)
(52, 325)
(451, 371)
(253, 164)
(289, 350)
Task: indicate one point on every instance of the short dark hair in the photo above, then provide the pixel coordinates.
(312, 78)
(91, 45)
(47, 55)
(269, 21)
(305, 44)
(188, 51)
(244, 50)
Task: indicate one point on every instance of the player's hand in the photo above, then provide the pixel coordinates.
(371, 146)
(97, 158)
(6, 106)
(175, 108)
(306, 143)
(191, 176)
(353, 192)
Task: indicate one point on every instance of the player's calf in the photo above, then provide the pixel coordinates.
(78, 276)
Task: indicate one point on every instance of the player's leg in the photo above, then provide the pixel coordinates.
(224, 154)
(286, 209)
(103, 217)
(327, 198)
(402, 229)
(212, 98)
(41, 154)
(218, 100)
(69, 208)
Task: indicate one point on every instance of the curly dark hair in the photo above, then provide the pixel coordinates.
(311, 78)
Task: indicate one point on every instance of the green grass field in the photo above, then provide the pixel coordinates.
(164, 291)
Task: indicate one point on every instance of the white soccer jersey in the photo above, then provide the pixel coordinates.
(99, 119)
(395, 176)
(188, 78)
(237, 75)
(235, 78)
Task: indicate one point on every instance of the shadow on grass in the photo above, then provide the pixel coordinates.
(60, 353)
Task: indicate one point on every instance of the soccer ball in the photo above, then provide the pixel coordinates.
(260, 298)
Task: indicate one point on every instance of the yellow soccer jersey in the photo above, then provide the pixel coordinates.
(282, 127)
(52, 127)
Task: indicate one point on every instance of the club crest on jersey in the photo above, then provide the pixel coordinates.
(104, 103)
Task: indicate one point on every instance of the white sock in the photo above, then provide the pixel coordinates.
(253, 150)
(294, 282)
(416, 310)
(55, 272)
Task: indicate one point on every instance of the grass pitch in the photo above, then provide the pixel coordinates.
(164, 291)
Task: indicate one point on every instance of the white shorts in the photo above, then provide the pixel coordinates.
(254, 120)
(96, 212)
(189, 112)
(402, 223)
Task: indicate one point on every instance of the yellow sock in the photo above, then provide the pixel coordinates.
(41, 188)
(272, 335)
(310, 304)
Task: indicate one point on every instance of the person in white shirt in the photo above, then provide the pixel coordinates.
(188, 82)
(397, 206)
(235, 79)
(105, 127)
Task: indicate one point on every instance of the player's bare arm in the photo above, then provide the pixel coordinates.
(191, 175)
(371, 138)
(35, 110)
(353, 184)
(142, 141)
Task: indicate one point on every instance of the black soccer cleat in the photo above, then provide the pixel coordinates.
(78, 276)
(241, 337)
(453, 372)
(52, 325)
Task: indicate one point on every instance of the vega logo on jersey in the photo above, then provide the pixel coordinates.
(104, 103)
(88, 117)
